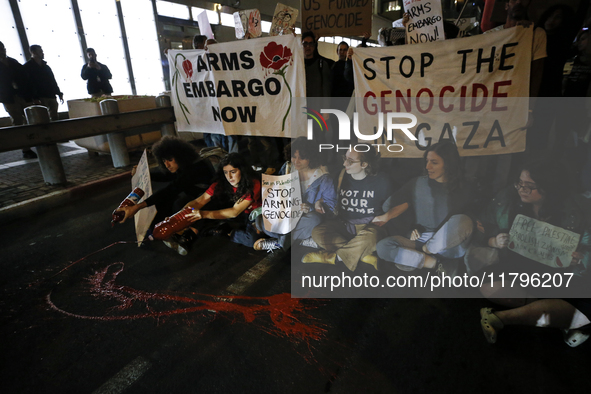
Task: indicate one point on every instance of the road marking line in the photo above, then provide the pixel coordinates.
(126, 377)
(252, 275)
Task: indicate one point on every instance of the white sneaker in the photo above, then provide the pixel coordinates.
(176, 247)
(574, 338)
(309, 243)
(268, 244)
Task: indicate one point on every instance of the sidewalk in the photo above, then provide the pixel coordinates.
(22, 189)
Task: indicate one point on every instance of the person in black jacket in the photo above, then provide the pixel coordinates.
(44, 87)
(190, 178)
(15, 92)
(98, 76)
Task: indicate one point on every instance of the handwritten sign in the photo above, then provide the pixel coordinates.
(141, 179)
(542, 242)
(282, 201)
(248, 21)
(426, 21)
(284, 19)
(336, 17)
(204, 26)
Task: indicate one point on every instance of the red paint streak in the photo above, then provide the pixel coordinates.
(290, 317)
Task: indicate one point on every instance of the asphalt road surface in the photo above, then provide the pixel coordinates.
(84, 310)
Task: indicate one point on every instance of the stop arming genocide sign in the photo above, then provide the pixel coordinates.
(239, 88)
(474, 90)
(542, 242)
(282, 202)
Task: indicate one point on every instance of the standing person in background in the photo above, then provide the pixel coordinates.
(44, 87)
(199, 41)
(342, 85)
(14, 92)
(98, 76)
(318, 68)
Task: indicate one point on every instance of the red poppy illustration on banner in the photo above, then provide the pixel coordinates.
(188, 67)
(273, 57)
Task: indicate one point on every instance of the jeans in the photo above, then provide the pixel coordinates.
(450, 241)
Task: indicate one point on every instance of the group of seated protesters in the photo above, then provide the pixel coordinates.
(347, 217)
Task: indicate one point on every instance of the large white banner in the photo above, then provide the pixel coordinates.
(474, 90)
(242, 87)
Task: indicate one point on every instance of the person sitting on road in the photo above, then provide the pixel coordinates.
(230, 199)
(190, 176)
(353, 236)
(542, 193)
(439, 200)
(319, 197)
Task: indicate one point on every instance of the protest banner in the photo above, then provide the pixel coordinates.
(542, 242)
(240, 87)
(282, 202)
(473, 91)
(426, 21)
(337, 17)
(204, 26)
(142, 179)
(248, 22)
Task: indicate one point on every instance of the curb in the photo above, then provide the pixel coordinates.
(58, 198)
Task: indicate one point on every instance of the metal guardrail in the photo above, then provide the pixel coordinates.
(44, 134)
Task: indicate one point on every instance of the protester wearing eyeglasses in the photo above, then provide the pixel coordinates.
(361, 192)
(541, 192)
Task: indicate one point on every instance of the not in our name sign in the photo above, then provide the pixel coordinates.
(542, 242)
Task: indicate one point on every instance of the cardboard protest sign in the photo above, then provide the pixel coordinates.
(426, 21)
(282, 201)
(284, 18)
(141, 179)
(337, 17)
(473, 91)
(542, 242)
(204, 26)
(240, 88)
(248, 21)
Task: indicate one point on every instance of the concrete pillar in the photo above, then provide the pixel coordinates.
(167, 128)
(117, 144)
(49, 156)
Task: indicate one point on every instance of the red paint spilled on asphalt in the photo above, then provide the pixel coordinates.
(290, 317)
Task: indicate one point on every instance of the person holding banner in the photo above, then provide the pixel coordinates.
(541, 193)
(440, 201)
(231, 198)
(318, 195)
(352, 237)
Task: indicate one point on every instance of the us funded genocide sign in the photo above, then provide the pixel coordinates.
(542, 242)
(473, 90)
(239, 88)
(336, 17)
(426, 21)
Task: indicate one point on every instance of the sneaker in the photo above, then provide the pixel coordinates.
(447, 267)
(405, 268)
(268, 244)
(309, 243)
(29, 154)
(371, 259)
(176, 247)
(322, 257)
(574, 338)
